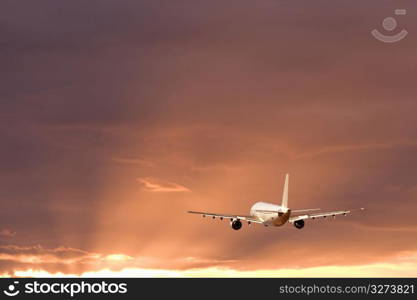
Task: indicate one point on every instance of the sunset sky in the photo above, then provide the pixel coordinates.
(116, 117)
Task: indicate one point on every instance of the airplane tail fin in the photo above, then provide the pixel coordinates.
(285, 192)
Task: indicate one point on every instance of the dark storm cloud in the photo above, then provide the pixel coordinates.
(220, 98)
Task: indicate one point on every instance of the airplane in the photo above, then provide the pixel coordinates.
(270, 214)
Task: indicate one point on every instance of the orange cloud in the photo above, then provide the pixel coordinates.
(156, 185)
(38, 254)
(118, 257)
(404, 267)
(7, 233)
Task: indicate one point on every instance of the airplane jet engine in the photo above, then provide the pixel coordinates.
(299, 224)
(236, 224)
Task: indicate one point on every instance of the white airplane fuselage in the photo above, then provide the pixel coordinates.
(270, 214)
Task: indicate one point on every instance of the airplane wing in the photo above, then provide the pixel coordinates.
(321, 215)
(226, 216)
